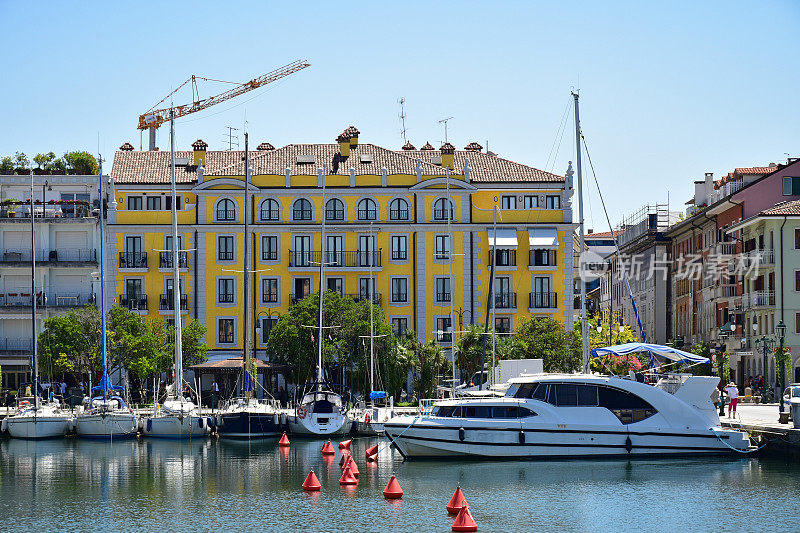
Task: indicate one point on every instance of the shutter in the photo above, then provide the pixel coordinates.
(17, 241)
(72, 245)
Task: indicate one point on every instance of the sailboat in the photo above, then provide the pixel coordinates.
(246, 417)
(177, 417)
(321, 411)
(107, 414)
(37, 420)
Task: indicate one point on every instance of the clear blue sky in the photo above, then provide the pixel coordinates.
(668, 91)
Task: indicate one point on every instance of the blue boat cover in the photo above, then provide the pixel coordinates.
(248, 381)
(377, 395)
(653, 350)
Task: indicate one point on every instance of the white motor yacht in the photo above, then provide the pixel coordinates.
(574, 415)
(46, 421)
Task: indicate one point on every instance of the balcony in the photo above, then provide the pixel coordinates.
(505, 300)
(10, 301)
(167, 302)
(52, 256)
(543, 300)
(398, 214)
(755, 258)
(165, 259)
(376, 298)
(134, 302)
(505, 258)
(727, 290)
(759, 299)
(16, 346)
(352, 259)
(725, 248)
(51, 212)
(133, 260)
(541, 258)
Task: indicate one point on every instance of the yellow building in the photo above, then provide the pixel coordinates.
(385, 210)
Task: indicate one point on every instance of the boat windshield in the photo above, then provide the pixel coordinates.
(330, 397)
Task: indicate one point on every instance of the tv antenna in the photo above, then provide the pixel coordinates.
(444, 121)
(402, 102)
(232, 139)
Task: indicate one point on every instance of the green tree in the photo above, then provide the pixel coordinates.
(547, 339)
(82, 162)
(430, 364)
(21, 161)
(469, 350)
(59, 165)
(44, 161)
(6, 164)
(70, 344)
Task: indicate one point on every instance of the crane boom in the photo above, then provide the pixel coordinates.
(154, 118)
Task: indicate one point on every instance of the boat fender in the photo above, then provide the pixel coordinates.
(275, 419)
(301, 412)
(200, 422)
(461, 434)
(220, 421)
(149, 425)
(628, 444)
(367, 418)
(4, 426)
(521, 437)
(210, 422)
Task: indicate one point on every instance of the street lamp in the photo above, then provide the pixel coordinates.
(781, 330)
(767, 344)
(724, 332)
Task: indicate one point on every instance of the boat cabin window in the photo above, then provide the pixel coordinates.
(483, 411)
(476, 411)
(524, 390)
(504, 412)
(626, 406)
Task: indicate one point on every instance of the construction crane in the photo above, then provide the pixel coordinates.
(154, 118)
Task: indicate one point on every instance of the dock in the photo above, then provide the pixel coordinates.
(761, 421)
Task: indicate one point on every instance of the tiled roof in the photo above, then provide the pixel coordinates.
(489, 168)
(791, 207)
(755, 170)
(601, 234)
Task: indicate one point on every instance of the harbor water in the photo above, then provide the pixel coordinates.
(214, 485)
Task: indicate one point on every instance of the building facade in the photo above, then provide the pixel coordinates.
(386, 214)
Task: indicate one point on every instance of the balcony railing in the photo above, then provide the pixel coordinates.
(133, 260)
(334, 214)
(167, 302)
(760, 299)
(759, 257)
(294, 298)
(399, 297)
(52, 300)
(505, 258)
(505, 300)
(543, 300)
(725, 248)
(270, 215)
(442, 297)
(441, 214)
(136, 302)
(398, 214)
(727, 290)
(342, 259)
(16, 346)
(165, 259)
(364, 297)
(59, 255)
(367, 214)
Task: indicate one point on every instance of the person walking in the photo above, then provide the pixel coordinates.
(214, 393)
(733, 395)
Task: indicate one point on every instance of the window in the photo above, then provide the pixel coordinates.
(627, 407)
(552, 202)
(399, 290)
(442, 289)
(440, 209)
(797, 323)
(302, 251)
(502, 324)
(541, 297)
(530, 201)
(134, 203)
(270, 210)
(443, 329)
(225, 290)
(508, 202)
(365, 288)
(398, 209)
(301, 210)
(505, 257)
(269, 290)
(791, 186)
(367, 209)
(225, 251)
(399, 247)
(267, 324)
(543, 257)
(154, 203)
(399, 326)
(226, 332)
(797, 280)
(168, 202)
(269, 248)
(226, 210)
(797, 239)
(335, 285)
(334, 209)
(334, 250)
(442, 246)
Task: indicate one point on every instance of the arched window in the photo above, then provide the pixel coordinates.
(334, 209)
(367, 210)
(398, 209)
(440, 209)
(302, 210)
(270, 210)
(226, 209)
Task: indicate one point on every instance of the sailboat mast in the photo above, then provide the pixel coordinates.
(371, 320)
(33, 303)
(451, 258)
(176, 286)
(246, 273)
(321, 171)
(584, 323)
(104, 378)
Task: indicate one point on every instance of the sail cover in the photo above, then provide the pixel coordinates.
(655, 351)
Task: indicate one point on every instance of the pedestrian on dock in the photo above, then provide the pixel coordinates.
(214, 393)
(733, 394)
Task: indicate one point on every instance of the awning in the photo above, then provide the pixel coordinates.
(506, 238)
(654, 350)
(543, 237)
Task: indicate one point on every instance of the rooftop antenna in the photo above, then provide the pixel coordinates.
(444, 121)
(402, 102)
(232, 139)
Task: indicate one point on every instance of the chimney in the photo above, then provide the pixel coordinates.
(473, 147)
(266, 147)
(127, 147)
(448, 155)
(352, 133)
(199, 147)
(427, 147)
(408, 146)
(344, 144)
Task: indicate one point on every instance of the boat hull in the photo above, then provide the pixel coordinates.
(38, 427)
(107, 425)
(176, 427)
(248, 425)
(319, 424)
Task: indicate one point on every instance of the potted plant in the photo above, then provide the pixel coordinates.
(8, 206)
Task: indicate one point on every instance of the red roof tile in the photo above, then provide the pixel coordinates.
(791, 207)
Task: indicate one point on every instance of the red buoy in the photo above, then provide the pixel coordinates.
(464, 521)
(327, 449)
(311, 483)
(351, 463)
(393, 489)
(456, 502)
(284, 440)
(343, 460)
(372, 450)
(345, 444)
(347, 477)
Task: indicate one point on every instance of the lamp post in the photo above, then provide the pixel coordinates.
(767, 344)
(781, 330)
(724, 332)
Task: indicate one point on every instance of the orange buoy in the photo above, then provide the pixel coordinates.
(311, 483)
(351, 463)
(327, 449)
(347, 477)
(372, 450)
(393, 489)
(343, 460)
(345, 444)
(284, 440)
(456, 502)
(464, 521)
